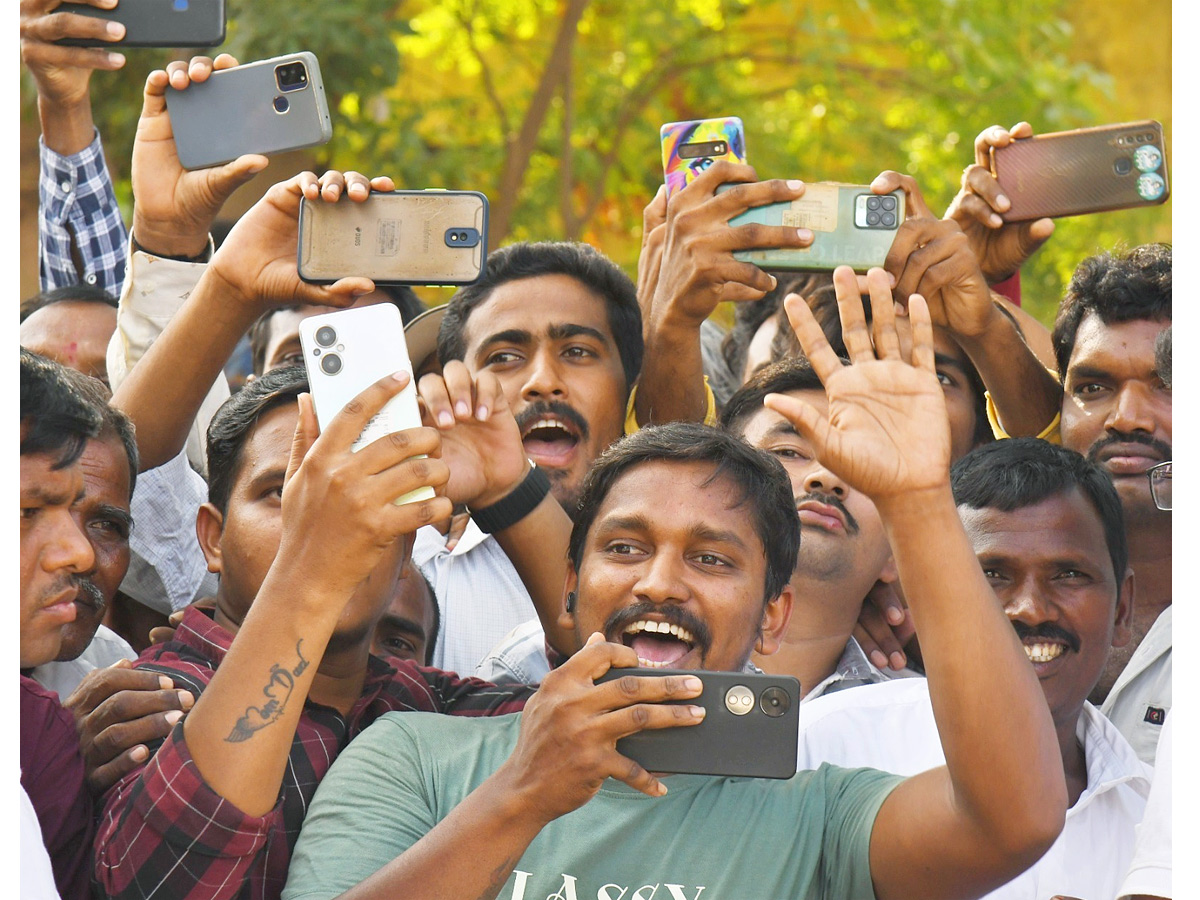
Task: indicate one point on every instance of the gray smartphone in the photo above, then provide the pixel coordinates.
(851, 227)
(156, 23)
(430, 237)
(750, 727)
(262, 107)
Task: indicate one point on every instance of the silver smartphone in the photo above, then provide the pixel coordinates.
(347, 351)
(262, 107)
(430, 237)
(169, 24)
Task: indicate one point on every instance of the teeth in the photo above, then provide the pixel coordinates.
(650, 627)
(547, 423)
(1041, 653)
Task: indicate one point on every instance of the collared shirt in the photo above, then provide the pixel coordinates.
(854, 670)
(1150, 871)
(76, 198)
(62, 677)
(891, 727)
(1141, 697)
(166, 834)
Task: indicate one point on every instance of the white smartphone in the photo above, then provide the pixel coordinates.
(347, 351)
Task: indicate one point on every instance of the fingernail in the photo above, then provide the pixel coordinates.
(401, 375)
(445, 419)
(804, 234)
(139, 754)
(1002, 200)
(165, 683)
(692, 683)
(116, 59)
(878, 182)
(481, 413)
(660, 790)
(116, 29)
(894, 615)
(878, 659)
(897, 660)
(774, 282)
(891, 279)
(795, 184)
(186, 700)
(995, 220)
(699, 712)
(173, 716)
(462, 409)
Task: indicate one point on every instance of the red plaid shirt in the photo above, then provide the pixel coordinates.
(166, 834)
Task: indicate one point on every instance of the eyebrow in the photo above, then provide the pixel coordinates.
(557, 332)
(698, 532)
(402, 623)
(46, 497)
(568, 330)
(947, 361)
(780, 428)
(1086, 371)
(117, 513)
(276, 473)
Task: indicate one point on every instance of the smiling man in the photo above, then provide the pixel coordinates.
(1047, 530)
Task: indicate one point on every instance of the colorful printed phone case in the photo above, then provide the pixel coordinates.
(688, 148)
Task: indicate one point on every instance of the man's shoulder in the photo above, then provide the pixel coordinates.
(1111, 759)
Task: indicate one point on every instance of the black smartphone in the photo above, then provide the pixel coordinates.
(169, 24)
(750, 728)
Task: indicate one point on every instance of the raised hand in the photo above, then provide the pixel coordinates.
(256, 264)
(174, 209)
(1001, 248)
(887, 433)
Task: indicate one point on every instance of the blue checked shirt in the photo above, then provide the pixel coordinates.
(76, 197)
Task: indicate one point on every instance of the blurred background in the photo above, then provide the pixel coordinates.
(552, 107)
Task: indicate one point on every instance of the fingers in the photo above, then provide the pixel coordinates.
(223, 180)
(655, 213)
(922, 334)
(101, 684)
(883, 316)
(103, 777)
(354, 184)
(638, 687)
(980, 181)
(811, 424)
(67, 25)
(914, 202)
(878, 641)
(808, 332)
(855, 335)
(721, 172)
(402, 446)
(304, 436)
(742, 197)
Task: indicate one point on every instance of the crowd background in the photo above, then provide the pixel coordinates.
(558, 124)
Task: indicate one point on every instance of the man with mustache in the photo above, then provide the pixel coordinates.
(56, 423)
(1047, 530)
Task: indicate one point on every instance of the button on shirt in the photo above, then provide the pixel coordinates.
(891, 727)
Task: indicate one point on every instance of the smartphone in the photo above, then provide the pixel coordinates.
(347, 351)
(168, 24)
(688, 148)
(851, 227)
(1070, 173)
(262, 107)
(430, 237)
(750, 727)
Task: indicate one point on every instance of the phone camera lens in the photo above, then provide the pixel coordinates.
(872, 203)
(718, 149)
(888, 219)
(1123, 166)
(775, 702)
(331, 364)
(887, 202)
(281, 104)
(325, 336)
(872, 218)
(291, 76)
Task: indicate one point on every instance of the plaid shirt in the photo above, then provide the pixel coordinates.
(75, 197)
(166, 834)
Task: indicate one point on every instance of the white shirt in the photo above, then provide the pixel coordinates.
(1150, 871)
(890, 726)
(37, 876)
(106, 648)
(1141, 697)
(480, 596)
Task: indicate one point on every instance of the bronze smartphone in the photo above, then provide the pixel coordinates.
(750, 727)
(1071, 173)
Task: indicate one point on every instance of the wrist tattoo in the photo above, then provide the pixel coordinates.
(277, 690)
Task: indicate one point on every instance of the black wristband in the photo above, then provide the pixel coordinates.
(204, 256)
(510, 510)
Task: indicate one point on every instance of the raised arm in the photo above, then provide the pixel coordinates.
(1000, 802)
(696, 272)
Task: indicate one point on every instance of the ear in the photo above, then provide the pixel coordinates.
(566, 620)
(209, 523)
(1124, 614)
(776, 615)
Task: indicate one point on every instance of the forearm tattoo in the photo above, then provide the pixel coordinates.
(277, 690)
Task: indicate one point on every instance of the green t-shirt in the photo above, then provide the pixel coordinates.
(709, 838)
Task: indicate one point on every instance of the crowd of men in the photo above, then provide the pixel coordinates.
(948, 522)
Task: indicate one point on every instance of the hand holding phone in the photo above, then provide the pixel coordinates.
(169, 24)
(263, 107)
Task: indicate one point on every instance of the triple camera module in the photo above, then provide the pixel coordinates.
(331, 363)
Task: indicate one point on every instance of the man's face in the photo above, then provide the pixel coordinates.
(103, 516)
(252, 527)
(549, 342)
(675, 570)
(841, 534)
(1116, 410)
(406, 629)
(1050, 567)
(72, 333)
(53, 554)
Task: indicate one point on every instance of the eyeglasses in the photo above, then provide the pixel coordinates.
(1160, 484)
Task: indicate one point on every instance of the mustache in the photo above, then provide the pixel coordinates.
(544, 408)
(1133, 437)
(1047, 630)
(831, 500)
(89, 594)
(674, 615)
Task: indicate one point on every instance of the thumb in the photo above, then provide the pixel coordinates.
(303, 438)
(1033, 234)
(223, 180)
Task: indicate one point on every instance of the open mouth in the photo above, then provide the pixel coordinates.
(658, 644)
(1043, 651)
(550, 440)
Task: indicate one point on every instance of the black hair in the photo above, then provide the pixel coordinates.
(1162, 356)
(112, 420)
(231, 425)
(584, 263)
(760, 477)
(748, 317)
(1021, 472)
(1118, 287)
(57, 417)
(792, 374)
(72, 293)
(399, 295)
